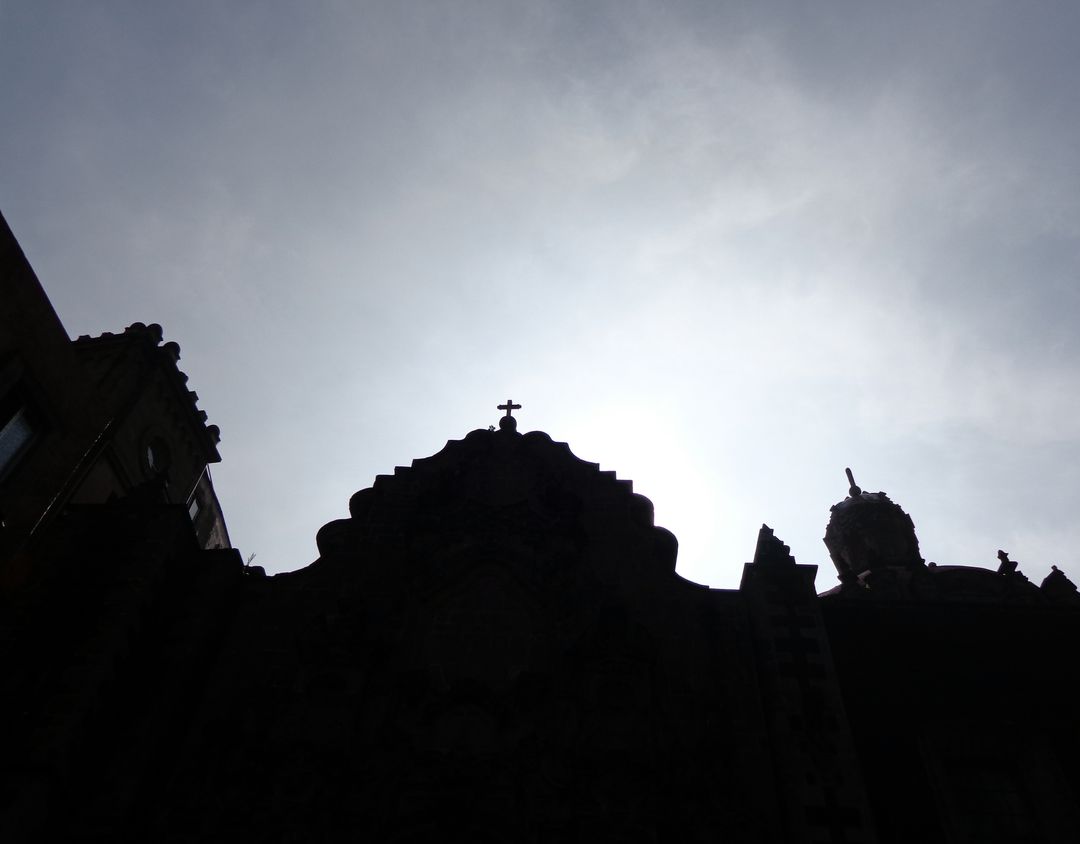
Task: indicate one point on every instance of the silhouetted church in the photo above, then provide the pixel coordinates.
(494, 646)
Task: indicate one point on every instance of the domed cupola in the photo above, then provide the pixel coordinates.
(869, 532)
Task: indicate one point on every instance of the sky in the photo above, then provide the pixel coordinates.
(726, 250)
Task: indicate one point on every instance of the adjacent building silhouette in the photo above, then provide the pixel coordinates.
(494, 646)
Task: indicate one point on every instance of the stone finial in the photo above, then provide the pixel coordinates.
(153, 331)
(1057, 587)
(853, 488)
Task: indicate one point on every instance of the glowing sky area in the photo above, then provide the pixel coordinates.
(725, 251)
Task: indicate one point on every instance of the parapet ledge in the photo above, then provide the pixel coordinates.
(150, 337)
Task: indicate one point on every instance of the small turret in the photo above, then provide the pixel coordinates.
(868, 532)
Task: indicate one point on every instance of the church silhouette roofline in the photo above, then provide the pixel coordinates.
(495, 644)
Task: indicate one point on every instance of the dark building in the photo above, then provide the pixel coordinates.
(494, 646)
(89, 421)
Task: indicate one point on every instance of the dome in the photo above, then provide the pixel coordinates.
(868, 531)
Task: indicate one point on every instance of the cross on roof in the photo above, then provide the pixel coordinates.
(508, 422)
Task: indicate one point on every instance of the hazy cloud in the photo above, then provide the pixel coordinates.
(724, 251)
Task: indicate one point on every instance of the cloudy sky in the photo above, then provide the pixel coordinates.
(723, 249)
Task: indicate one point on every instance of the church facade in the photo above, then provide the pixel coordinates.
(495, 645)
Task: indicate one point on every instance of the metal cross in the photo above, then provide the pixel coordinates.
(509, 407)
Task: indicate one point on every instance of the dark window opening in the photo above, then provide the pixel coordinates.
(157, 457)
(19, 427)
